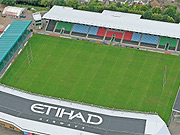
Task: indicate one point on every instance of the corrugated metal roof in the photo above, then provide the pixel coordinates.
(114, 20)
(11, 36)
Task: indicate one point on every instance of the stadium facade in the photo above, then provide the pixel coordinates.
(117, 27)
(46, 116)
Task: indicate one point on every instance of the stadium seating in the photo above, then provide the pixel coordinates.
(93, 30)
(128, 36)
(79, 28)
(150, 39)
(66, 25)
(136, 37)
(111, 33)
(164, 40)
(101, 32)
(51, 25)
(178, 48)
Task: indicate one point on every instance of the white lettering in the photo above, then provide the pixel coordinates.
(78, 115)
(95, 116)
(39, 107)
(57, 113)
(49, 109)
(66, 113)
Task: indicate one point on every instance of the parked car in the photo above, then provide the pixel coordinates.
(23, 16)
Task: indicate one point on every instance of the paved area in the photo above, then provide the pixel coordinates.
(111, 125)
(174, 128)
(5, 131)
(8, 20)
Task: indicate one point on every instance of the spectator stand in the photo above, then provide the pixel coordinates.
(93, 33)
(113, 36)
(51, 25)
(178, 46)
(11, 42)
(63, 27)
(149, 40)
(80, 30)
(167, 43)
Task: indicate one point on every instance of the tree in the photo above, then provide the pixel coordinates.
(177, 17)
(83, 7)
(73, 3)
(165, 18)
(46, 3)
(157, 17)
(170, 19)
(156, 10)
(112, 7)
(118, 4)
(147, 15)
(9, 2)
(170, 11)
(144, 8)
(59, 2)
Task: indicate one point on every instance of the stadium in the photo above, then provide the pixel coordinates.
(108, 73)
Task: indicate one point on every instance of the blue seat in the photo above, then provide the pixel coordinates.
(79, 28)
(93, 30)
(150, 39)
(136, 37)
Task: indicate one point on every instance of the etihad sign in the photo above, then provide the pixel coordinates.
(60, 112)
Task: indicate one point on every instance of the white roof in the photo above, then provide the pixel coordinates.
(114, 20)
(36, 16)
(13, 11)
(154, 124)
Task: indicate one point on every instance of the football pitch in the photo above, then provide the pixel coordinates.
(96, 74)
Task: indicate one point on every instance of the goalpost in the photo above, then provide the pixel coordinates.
(164, 76)
(29, 54)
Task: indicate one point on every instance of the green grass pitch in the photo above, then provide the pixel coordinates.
(92, 73)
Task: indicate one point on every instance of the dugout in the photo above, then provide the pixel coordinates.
(11, 41)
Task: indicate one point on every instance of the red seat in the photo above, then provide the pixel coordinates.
(128, 35)
(101, 32)
(111, 33)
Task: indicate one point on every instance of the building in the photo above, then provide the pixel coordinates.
(15, 12)
(37, 20)
(11, 42)
(119, 28)
(36, 114)
(176, 109)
